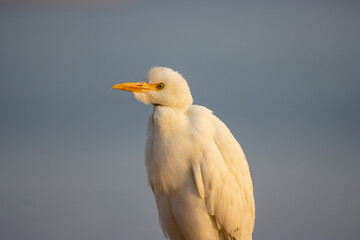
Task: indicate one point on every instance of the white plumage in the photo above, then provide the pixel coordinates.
(196, 168)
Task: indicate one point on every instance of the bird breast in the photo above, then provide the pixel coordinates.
(168, 148)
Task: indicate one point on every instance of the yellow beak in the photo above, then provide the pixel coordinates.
(141, 87)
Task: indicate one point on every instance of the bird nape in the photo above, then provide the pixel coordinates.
(196, 169)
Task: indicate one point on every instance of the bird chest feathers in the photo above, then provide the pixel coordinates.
(168, 148)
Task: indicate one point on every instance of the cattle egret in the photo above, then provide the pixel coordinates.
(196, 169)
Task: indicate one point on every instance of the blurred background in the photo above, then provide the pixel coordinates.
(283, 75)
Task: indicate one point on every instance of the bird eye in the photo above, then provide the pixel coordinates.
(160, 86)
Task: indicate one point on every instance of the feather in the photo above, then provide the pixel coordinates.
(198, 180)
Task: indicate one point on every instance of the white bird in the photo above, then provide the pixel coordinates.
(196, 168)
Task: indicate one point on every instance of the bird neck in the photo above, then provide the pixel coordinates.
(159, 107)
(167, 116)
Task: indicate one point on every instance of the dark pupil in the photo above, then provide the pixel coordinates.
(160, 85)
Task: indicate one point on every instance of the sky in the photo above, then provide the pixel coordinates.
(283, 75)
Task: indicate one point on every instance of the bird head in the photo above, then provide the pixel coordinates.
(164, 87)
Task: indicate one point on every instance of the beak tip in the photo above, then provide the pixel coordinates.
(116, 86)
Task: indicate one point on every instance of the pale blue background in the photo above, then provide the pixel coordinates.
(283, 75)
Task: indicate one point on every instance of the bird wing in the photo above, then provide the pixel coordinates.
(223, 178)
